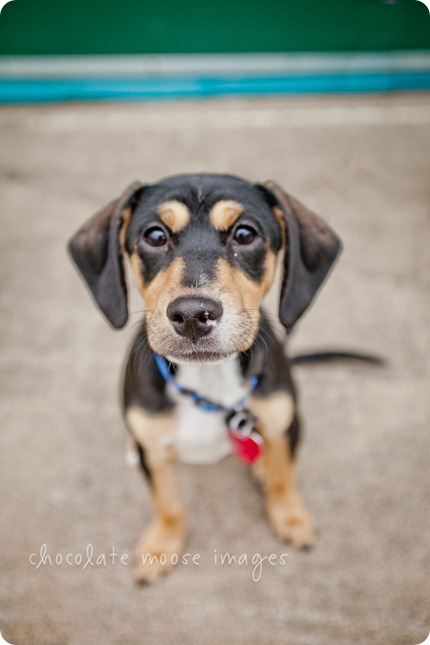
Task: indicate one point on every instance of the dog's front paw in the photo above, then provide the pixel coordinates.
(291, 521)
(158, 550)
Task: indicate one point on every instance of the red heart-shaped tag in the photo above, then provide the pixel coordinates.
(247, 449)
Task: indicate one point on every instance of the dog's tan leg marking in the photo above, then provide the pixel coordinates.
(275, 469)
(161, 545)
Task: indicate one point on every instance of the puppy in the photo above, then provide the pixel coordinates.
(206, 372)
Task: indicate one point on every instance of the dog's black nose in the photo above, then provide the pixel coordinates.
(194, 317)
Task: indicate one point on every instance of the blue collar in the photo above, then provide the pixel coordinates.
(202, 402)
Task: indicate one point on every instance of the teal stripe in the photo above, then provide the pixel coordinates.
(41, 91)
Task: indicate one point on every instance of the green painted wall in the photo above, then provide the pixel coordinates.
(39, 27)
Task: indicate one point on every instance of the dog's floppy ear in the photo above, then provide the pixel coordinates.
(311, 250)
(96, 250)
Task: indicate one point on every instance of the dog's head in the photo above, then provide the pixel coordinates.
(203, 251)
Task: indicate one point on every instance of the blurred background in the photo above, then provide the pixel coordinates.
(330, 99)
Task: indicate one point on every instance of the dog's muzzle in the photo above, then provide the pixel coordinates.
(193, 316)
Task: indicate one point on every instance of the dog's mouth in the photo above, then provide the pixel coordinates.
(197, 357)
(209, 349)
(204, 350)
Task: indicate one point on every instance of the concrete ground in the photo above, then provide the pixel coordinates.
(364, 164)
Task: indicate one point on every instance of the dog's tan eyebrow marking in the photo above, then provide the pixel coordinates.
(225, 213)
(174, 214)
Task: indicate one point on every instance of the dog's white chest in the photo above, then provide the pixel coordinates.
(201, 437)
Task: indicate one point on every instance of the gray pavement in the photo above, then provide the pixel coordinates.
(364, 164)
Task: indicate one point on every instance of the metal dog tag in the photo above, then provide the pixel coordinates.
(247, 442)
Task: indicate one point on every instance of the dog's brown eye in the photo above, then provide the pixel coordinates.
(244, 235)
(155, 236)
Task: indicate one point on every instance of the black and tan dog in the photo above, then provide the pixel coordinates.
(203, 250)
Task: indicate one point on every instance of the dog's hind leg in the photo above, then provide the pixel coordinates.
(161, 545)
(285, 508)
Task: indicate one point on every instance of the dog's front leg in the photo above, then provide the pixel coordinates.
(161, 545)
(285, 508)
